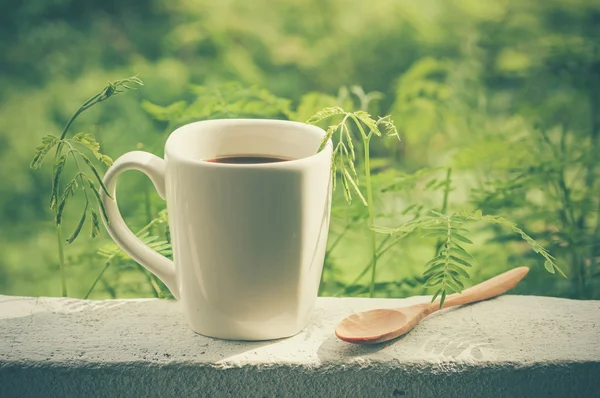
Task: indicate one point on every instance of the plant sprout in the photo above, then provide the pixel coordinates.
(72, 148)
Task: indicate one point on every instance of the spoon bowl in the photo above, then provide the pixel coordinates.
(368, 327)
(377, 326)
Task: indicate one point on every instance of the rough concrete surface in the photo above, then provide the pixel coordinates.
(512, 346)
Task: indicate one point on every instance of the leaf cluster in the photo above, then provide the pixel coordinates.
(73, 150)
(227, 100)
(115, 257)
(344, 153)
(447, 270)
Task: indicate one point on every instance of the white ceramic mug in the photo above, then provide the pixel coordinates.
(248, 239)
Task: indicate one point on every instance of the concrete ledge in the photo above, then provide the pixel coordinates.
(512, 346)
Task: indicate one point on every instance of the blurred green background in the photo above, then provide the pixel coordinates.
(506, 93)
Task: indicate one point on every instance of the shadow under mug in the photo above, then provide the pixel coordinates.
(248, 240)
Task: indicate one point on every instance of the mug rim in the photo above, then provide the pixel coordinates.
(173, 155)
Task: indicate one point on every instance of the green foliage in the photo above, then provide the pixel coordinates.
(114, 257)
(48, 142)
(60, 160)
(549, 264)
(88, 141)
(227, 100)
(344, 156)
(447, 269)
(497, 106)
(343, 160)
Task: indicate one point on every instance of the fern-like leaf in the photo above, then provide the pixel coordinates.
(549, 262)
(446, 270)
(57, 170)
(88, 141)
(325, 114)
(48, 142)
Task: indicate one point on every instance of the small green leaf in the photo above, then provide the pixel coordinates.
(549, 266)
(71, 187)
(368, 121)
(349, 139)
(90, 142)
(433, 269)
(87, 140)
(56, 174)
(105, 159)
(459, 270)
(461, 249)
(434, 280)
(560, 271)
(73, 236)
(461, 238)
(96, 174)
(436, 234)
(98, 199)
(409, 208)
(443, 298)
(164, 113)
(436, 227)
(95, 226)
(389, 126)
(325, 113)
(353, 169)
(48, 142)
(430, 183)
(436, 294)
(460, 261)
(454, 284)
(457, 220)
(356, 189)
(459, 253)
(60, 208)
(347, 193)
(334, 174)
(435, 260)
(327, 137)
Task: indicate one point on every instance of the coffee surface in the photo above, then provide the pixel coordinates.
(247, 159)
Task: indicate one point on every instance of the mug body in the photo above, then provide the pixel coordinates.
(249, 240)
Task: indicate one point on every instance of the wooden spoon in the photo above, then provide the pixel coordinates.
(377, 326)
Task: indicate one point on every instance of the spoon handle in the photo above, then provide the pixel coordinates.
(485, 290)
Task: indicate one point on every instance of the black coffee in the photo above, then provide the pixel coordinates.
(247, 159)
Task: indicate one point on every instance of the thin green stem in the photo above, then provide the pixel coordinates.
(148, 206)
(371, 217)
(328, 253)
(75, 115)
(339, 238)
(64, 132)
(151, 278)
(446, 190)
(86, 105)
(61, 260)
(360, 128)
(368, 266)
(80, 173)
(447, 257)
(109, 289)
(447, 186)
(148, 277)
(87, 295)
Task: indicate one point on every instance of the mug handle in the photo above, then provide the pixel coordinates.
(154, 168)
